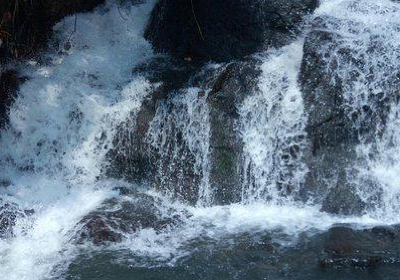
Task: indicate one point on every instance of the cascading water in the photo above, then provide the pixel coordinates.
(180, 133)
(61, 126)
(66, 117)
(273, 123)
(365, 60)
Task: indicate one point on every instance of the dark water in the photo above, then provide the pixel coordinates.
(234, 263)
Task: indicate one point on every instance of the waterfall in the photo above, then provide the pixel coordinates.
(80, 106)
(61, 126)
(179, 133)
(365, 57)
(272, 128)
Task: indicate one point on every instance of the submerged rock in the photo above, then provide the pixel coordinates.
(222, 30)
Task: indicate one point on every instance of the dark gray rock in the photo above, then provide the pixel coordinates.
(9, 85)
(222, 30)
(347, 247)
(123, 215)
(330, 71)
(9, 214)
(129, 158)
(171, 167)
(343, 200)
(228, 90)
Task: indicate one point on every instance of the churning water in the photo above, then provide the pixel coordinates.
(65, 118)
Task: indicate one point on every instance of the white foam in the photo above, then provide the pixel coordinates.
(61, 126)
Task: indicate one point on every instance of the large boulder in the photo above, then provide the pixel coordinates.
(222, 30)
(162, 143)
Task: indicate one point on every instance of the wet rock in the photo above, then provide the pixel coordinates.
(9, 84)
(129, 158)
(123, 215)
(229, 88)
(223, 30)
(336, 125)
(343, 200)
(347, 247)
(153, 148)
(331, 134)
(9, 214)
(168, 72)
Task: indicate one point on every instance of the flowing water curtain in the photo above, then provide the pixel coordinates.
(364, 61)
(272, 127)
(179, 143)
(61, 127)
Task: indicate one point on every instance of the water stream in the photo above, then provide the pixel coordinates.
(65, 118)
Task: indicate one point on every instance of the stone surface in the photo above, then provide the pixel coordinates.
(343, 200)
(347, 247)
(222, 30)
(228, 90)
(123, 215)
(9, 84)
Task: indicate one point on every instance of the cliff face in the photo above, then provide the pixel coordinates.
(26, 24)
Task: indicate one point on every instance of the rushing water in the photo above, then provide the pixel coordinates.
(65, 118)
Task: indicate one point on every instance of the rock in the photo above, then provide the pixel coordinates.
(129, 158)
(169, 72)
(336, 123)
(9, 84)
(228, 90)
(329, 127)
(9, 214)
(343, 200)
(123, 215)
(138, 156)
(222, 30)
(347, 247)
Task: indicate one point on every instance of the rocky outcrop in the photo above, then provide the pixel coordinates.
(342, 199)
(337, 123)
(126, 214)
(228, 90)
(233, 30)
(330, 128)
(222, 30)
